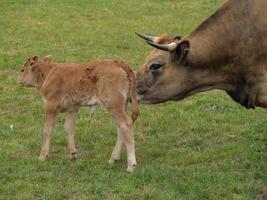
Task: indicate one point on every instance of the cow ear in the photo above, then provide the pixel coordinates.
(48, 59)
(182, 50)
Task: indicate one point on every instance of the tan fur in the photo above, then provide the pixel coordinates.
(67, 87)
(164, 39)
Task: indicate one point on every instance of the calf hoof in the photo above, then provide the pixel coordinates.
(112, 161)
(130, 169)
(73, 156)
(42, 157)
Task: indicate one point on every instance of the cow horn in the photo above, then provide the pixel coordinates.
(147, 37)
(165, 47)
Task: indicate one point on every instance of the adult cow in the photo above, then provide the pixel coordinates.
(227, 51)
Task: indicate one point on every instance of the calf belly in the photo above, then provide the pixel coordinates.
(71, 101)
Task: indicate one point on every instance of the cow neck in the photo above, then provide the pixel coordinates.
(213, 47)
(43, 73)
(206, 71)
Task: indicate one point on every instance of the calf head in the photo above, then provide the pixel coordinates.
(31, 70)
(164, 75)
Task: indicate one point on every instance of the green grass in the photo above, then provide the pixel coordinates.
(205, 147)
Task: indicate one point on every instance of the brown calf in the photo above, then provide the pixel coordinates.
(67, 87)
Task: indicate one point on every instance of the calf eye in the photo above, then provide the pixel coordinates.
(22, 70)
(155, 66)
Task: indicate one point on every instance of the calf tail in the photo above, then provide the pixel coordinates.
(133, 94)
(133, 91)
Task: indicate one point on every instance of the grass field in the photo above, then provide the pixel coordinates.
(205, 147)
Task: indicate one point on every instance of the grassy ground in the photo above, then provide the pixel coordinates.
(205, 147)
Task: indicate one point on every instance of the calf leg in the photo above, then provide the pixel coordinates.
(117, 149)
(115, 156)
(128, 139)
(50, 118)
(125, 127)
(69, 128)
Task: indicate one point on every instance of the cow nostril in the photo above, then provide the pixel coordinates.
(143, 86)
(141, 90)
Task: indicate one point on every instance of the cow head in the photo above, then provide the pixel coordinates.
(30, 71)
(164, 74)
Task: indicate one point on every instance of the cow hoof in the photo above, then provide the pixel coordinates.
(73, 156)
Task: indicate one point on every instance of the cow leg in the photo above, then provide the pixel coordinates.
(115, 156)
(262, 98)
(69, 128)
(50, 118)
(125, 127)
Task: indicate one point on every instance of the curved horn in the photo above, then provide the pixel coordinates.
(147, 37)
(165, 47)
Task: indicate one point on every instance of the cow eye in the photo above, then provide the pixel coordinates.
(22, 70)
(155, 66)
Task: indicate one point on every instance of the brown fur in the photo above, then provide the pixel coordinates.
(67, 87)
(227, 51)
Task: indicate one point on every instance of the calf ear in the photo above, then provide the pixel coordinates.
(177, 37)
(33, 60)
(48, 59)
(182, 50)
